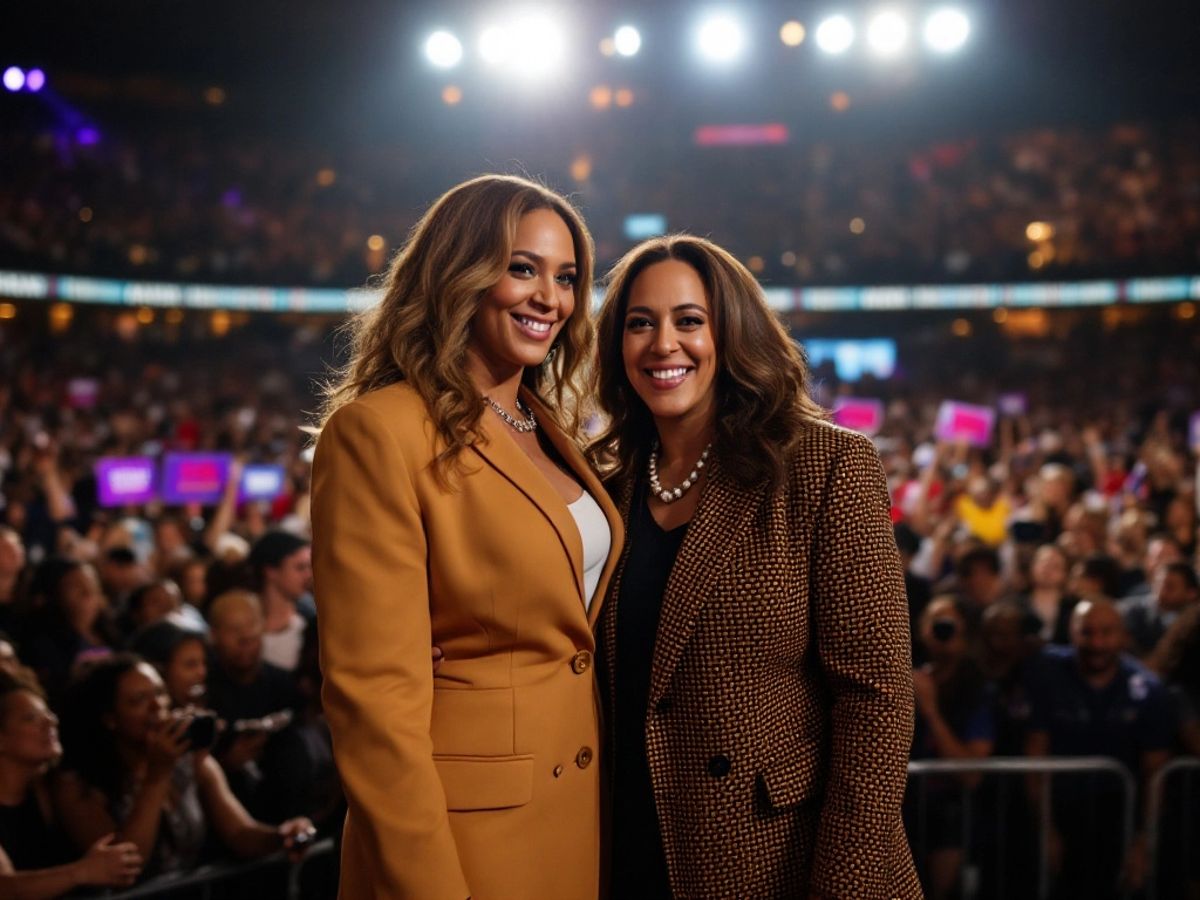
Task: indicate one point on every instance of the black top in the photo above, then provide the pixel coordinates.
(29, 840)
(639, 868)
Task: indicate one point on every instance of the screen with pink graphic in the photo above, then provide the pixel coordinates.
(965, 422)
(125, 479)
(194, 477)
(862, 414)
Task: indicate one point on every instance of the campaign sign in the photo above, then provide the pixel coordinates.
(1012, 404)
(125, 479)
(261, 482)
(1194, 432)
(860, 414)
(194, 477)
(965, 422)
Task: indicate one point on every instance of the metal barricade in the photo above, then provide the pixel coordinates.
(1154, 814)
(205, 877)
(1049, 766)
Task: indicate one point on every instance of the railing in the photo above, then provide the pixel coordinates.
(204, 878)
(1074, 765)
(1154, 813)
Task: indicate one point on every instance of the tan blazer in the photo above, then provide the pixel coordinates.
(781, 709)
(480, 779)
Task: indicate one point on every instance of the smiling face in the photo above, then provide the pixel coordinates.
(519, 318)
(668, 347)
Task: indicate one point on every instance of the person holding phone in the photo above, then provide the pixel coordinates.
(132, 768)
(756, 640)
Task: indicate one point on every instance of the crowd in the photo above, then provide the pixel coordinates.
(1112, 201)
(159, 694)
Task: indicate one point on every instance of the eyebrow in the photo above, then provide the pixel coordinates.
(540, 259)
(679, 308)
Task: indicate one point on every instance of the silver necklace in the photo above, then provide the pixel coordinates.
(671, 495)
(524, 426)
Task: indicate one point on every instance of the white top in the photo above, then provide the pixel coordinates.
(282, 648)
(597, 539)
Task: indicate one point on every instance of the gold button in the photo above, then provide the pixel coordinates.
(558, 770)
(583, 758)
(581, 662)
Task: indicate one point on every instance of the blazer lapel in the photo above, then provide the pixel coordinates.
(500, 451)
(574, 458)
(725, 513)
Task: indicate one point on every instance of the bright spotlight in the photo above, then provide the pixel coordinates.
(888, 33)
(946, 30)
(720, 38)
(529, 46)
(835, 35)
(627, 40)
(14, 78)
(35, 80)
(443, 50)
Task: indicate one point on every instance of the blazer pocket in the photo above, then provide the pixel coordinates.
(796, 775)
(485, 782)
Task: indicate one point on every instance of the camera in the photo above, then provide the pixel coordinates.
(944, 629)
(201, 731)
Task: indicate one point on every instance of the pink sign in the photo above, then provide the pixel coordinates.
(860, 414)
(965, 422)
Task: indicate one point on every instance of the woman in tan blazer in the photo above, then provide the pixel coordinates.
(755, 642)
(452, 508)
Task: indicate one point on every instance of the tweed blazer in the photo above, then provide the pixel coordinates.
(781, 710)
(477, 779)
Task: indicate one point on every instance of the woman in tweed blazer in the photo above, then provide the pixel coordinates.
(755, 642)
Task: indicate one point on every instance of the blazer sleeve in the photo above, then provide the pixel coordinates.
(369, 567)
(861, 619)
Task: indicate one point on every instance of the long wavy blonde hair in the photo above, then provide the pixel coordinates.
(418, 333)
(763, 398)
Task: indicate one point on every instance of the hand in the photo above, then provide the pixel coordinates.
(109, 864)
(924, 692)
(166, 744)
(437, 658)
(298, 835)
(247, 747)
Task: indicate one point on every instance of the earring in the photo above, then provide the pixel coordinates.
(550, 356)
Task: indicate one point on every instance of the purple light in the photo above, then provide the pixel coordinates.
(87, 136)
(232, 198)
(35, 80)
(14, 78)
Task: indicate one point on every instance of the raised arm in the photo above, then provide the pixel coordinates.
(369, 554)
(864, 646)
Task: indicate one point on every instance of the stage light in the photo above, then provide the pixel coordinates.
(792, 33)
(452, 95)
(443, 50)
(887, 33)
(530, 45)
(946, 30)
(627, 40)
(35, 80)
(835, 35)
(14, 79)
(1039, 231)
(720, 38)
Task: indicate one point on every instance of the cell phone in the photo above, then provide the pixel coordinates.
(202, 731)
(303, 839)
(1027, 532)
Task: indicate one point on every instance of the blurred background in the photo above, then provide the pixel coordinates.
(982, 220)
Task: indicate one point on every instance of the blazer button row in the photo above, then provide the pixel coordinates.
(581, 662)
(583, 759)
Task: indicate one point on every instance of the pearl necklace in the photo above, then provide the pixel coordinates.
(671, 495)
(524, 426)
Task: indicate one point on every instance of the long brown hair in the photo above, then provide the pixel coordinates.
(763, 402)
(418, 333)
